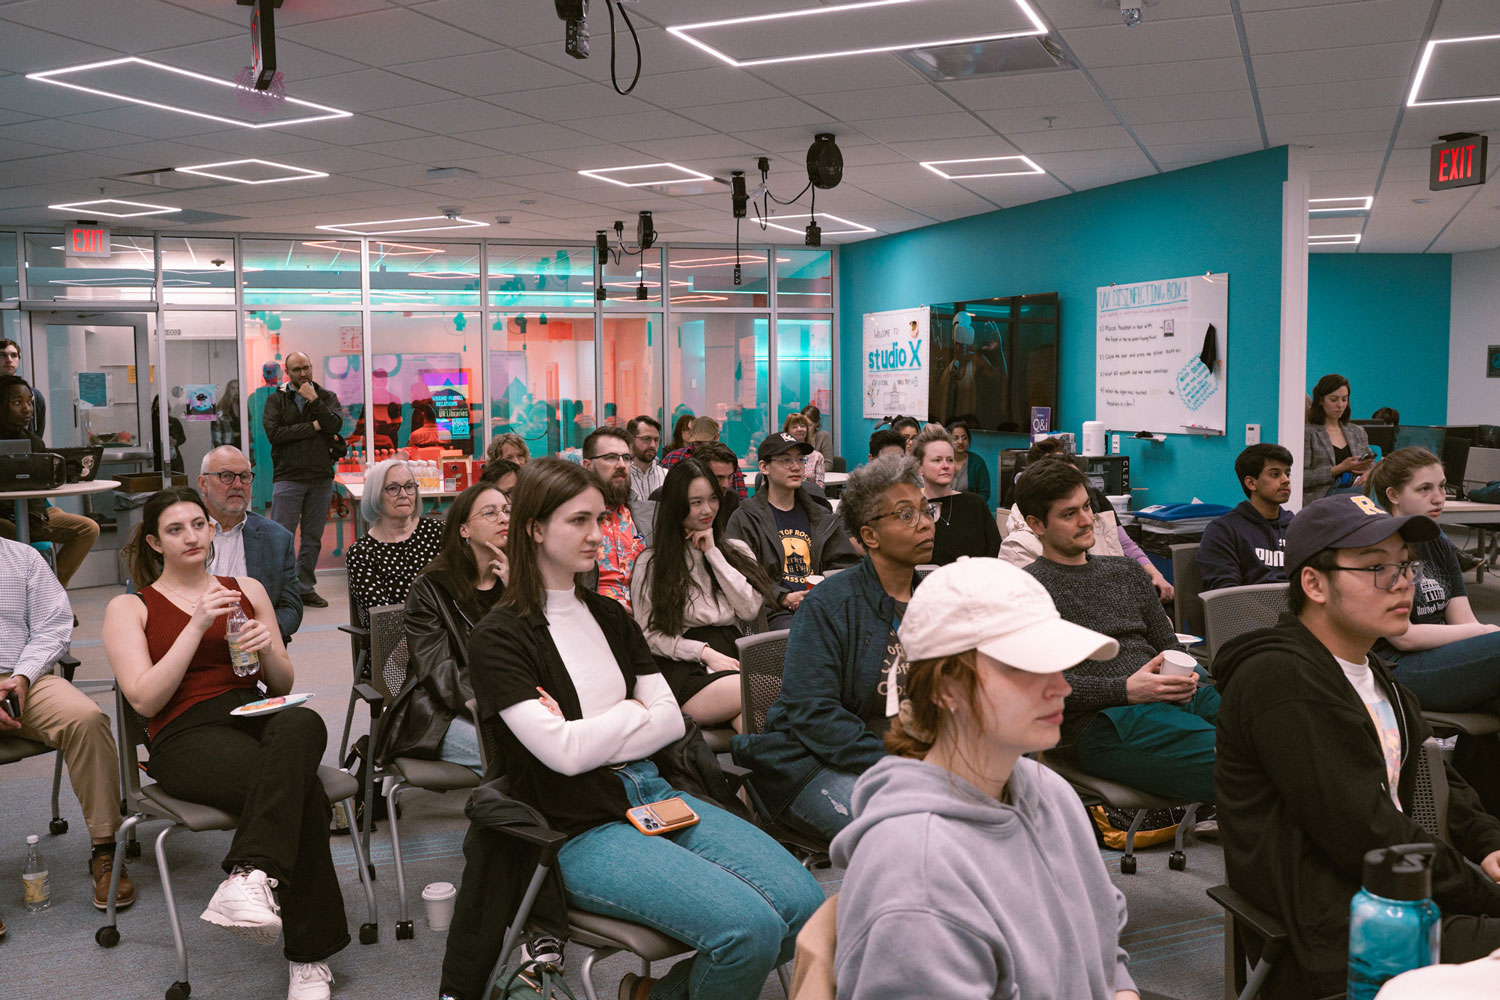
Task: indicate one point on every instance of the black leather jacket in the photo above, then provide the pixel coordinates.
(437, 676)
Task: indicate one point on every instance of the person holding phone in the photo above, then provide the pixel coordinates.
(168, 649)
(428, 718)
(1336, 453)
(582, 712)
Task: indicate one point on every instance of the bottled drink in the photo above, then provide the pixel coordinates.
(244, 663)
(37, 893)
(1394, 925)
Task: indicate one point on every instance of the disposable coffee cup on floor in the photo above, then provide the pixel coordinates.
(1176, 663)
(439, 897)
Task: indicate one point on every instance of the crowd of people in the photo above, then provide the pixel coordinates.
(592, 607)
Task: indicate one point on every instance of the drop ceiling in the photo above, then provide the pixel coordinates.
(485, 86)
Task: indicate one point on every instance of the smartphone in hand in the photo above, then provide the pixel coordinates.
(13, 705)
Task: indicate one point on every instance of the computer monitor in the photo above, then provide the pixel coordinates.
(1416, 436)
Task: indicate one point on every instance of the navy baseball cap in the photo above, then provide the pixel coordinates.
(1349, 522)
(781, 441)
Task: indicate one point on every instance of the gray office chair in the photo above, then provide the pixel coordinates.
(14, 748)
(1095, 791)
(1187, 584)
(1233, 611)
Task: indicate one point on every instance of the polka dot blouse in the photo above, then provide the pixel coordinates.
(381, 573)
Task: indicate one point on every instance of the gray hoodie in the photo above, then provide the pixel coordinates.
(952, 894)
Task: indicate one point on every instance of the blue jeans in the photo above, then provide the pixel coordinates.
(722, 886)
(303, 505)
(1462, 676)
(461, 745)
(823, 804)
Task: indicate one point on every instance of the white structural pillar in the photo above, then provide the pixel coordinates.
(1291, 409)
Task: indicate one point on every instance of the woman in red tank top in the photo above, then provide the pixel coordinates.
(168, 649)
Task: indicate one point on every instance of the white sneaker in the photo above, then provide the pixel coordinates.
(310, 981)
(244, 905)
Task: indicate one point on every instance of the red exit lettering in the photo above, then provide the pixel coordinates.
(1456, 164)
(88, 241)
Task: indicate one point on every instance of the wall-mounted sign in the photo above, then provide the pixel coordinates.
(86, 241)
(1458, 161)
(1492, 362)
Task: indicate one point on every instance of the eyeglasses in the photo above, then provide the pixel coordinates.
(396, 489)
(787, 461)
(229, 478)
(908, 515)
(612, 457)
(1386, 574)
(648, 438)
(492, 514)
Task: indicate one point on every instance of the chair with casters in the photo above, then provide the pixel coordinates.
(388, 660)
(14, 748)
(149, 802)
(1232, 611)
(1095, 791)
(1187, 584)
(359, 653)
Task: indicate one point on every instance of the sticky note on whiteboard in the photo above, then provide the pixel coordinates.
(1195, 384)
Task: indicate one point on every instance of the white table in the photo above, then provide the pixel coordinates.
(355, 491)
(1484, 515)
(835, 478)
(23, 506)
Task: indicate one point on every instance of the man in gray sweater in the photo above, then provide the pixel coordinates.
(1126, 720)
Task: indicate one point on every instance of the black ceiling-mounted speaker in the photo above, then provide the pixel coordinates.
(825, 164)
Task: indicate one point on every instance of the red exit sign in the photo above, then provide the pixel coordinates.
(1458, 161)
(86, 241)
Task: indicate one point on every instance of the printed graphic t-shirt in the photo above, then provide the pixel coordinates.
(796, 546)
(1384, 717)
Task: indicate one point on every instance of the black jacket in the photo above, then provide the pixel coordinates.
(1302, 794)
(438, 623)
(299, 452)
(755, 525)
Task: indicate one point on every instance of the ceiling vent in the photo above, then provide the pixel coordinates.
(1000, 57)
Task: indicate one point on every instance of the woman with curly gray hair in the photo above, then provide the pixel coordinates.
(826, 728)
(398, 541)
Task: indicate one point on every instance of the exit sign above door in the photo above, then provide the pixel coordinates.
(1458, 161)
(86, 241)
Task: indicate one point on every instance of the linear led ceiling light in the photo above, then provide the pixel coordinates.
(970, 169)
(382, 247)
(1358, 204)
(855, 29)
(91, 206)
(1345, 239)
(824, 219)
(97, 73)
(365, 228)
(1416, 84)
(654, 173)
(249, 168)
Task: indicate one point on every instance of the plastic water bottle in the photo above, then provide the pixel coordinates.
(1394, 926)
(244, 662)
(37, 892)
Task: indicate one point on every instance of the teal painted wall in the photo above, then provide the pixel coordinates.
(1222, 216)
(1381, 320)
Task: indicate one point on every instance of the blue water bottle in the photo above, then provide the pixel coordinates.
(1393, 924)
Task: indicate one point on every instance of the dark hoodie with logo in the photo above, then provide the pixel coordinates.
(1302, 795)
(1244, 547)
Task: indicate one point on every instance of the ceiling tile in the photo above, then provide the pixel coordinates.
(480, 74)
(433, 150)
(1328, 26)
(1347, 63)
(578, 100)
(1185, 107)
(27, 50)
(464, 114)
(1155, 41)
(385, 37)
(1062, 140)
(918, 99)
(894, 130)
(698, 87)
(1023, 90)
(528, 139)
(1238, 130)
(128, 26)
(746, 115)
(640, 125)
(1198, 76)
(1085, 115)
(1387, 93)
(369, 90)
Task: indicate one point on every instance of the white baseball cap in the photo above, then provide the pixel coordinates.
(1000, 610)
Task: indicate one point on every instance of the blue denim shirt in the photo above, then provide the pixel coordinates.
(831, 712)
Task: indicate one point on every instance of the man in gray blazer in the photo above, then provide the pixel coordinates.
(246, 544)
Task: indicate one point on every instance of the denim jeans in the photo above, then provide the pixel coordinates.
(303, 505)
(1462, 676)
(461, 745)
(722, 886)
(823, 804)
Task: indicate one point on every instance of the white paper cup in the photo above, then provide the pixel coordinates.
(439, 898)
(1176, 663)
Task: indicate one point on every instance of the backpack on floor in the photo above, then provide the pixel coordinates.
(1159, 826)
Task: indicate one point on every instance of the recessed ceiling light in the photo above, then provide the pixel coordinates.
(656, 173)
(684, 31)
(1001, 166)
(149, 209)
(220, 171)
(823, 219)
(365, 228)
(1355, 204)
(1342, 239)
(1427, 54)
(54, 76)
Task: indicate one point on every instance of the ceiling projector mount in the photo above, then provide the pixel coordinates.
(825, 169)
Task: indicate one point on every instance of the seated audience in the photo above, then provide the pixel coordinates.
(1319, 752)
(35, 626)
(1021, 545)
(844, 657)
(704, 430)
(970, 473)
(646, 473)
(800, 428)
(509, 446)
(428, 718)
(965, 526)
(73, 535)
(886, 442)
(500, 474)
(690, 590)
(607, 452)
(398, 541)
(908, 428)
(580, 708)
(971, 870)
(1336, 456)
(792, 536)
(821, 440)
(1387, 415)
(721, 460)
(246, 544)
(1247, 545)
(167, 647)
(1126, 720)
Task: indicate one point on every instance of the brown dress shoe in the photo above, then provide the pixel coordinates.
(100, 867)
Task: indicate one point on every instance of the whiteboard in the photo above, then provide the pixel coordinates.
(895, 362)
(1152, 340)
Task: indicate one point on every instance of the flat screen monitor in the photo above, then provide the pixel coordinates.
(992, 360)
